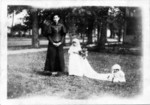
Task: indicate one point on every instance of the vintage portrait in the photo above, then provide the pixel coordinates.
(75, 52)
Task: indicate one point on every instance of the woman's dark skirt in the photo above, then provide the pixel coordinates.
(55, 59)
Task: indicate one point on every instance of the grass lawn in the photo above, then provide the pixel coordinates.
(25, 77)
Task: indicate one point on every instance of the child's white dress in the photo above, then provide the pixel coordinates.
(119, 77)
(75, 62)
(80, 66)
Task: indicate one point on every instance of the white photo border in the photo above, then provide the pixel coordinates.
(141, 99)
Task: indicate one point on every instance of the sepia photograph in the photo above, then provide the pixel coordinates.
(75, 52)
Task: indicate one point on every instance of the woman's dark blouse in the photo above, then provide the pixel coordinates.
(56, 32)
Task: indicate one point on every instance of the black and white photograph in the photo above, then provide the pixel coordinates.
(75, 52)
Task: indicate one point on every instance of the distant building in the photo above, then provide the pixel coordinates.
(15, 19)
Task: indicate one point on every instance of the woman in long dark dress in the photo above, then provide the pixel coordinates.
(55, 33)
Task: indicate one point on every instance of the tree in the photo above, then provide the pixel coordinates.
(35, 28)
(78, 20)
(116, 21)
(31, 21)
(84, 21)
(102, 26)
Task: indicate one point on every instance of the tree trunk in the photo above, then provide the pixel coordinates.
(35, 28)
(12, 24)
(102, 40)
(89, 34)
(98, 32)
(13, 15)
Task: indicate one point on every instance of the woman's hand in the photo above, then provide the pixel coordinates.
(46, 22)
(57, 44)
(75, 52)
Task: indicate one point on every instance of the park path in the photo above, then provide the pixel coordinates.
(11, 52)
(12, 42)
(25, 51)
(26, 41)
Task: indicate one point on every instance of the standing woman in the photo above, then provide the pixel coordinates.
(55, 33)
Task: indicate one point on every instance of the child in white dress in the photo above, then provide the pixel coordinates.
(117, 74)
(75, 60)
(79, 65)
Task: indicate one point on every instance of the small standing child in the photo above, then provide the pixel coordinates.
(76, 59)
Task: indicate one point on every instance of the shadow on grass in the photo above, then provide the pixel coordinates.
(42, 73)
(47, 73)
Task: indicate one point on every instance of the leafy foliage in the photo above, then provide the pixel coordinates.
(82, 20)
(16, 8)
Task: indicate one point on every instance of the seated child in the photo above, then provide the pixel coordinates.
(117, 74)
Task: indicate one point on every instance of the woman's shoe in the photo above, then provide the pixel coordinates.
(55, 74)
